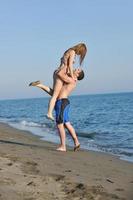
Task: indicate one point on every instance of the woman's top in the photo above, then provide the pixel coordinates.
(64, 62)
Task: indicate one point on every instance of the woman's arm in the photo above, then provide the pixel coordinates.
(64, 77)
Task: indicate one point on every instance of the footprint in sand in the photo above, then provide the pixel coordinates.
(58, 177)
(31, 183)
(97, 179)
(80, 186)
(69, 170)
(10, 164)
(7, 181)
(119, 189)
(30, 167)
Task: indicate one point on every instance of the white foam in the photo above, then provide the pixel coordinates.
(31, 124)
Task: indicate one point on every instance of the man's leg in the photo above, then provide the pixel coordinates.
(73, 134)
(62, 134)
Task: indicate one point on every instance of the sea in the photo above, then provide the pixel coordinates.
(103, 122)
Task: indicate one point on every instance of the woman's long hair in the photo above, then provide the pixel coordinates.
(80, 49)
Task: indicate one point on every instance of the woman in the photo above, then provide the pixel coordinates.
(66, 64)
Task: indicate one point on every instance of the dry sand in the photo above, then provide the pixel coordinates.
(31, 169)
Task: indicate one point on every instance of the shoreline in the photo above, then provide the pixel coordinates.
(32, 169)
(32, 132)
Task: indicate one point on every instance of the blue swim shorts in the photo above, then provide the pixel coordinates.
(62, 110)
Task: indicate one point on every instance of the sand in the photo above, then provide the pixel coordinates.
(31, 169)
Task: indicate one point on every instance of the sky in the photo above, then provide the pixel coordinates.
(35, 33)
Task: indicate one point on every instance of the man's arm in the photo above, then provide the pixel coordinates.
(64, 77)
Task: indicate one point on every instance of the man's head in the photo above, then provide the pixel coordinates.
(79, 73)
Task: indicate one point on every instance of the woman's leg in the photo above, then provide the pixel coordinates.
(57, 88)
(73, 134)
(43, 87)
(58, 83)
(62, 134)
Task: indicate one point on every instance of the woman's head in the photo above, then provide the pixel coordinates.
(80, 49)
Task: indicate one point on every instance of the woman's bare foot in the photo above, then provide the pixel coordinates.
(61, 149)
(50, 117)
(77, 146)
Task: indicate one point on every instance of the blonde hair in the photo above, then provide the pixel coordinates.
(80, 49)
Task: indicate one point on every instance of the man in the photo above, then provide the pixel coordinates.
(62, 105)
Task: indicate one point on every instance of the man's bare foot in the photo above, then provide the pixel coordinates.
(77, 146)
(61, 149)
(50, 117)
(35, 83)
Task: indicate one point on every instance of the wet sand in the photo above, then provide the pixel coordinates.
(31, 169)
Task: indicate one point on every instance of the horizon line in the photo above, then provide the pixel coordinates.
(90, 94)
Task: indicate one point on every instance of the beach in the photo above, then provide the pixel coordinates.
(32, 169)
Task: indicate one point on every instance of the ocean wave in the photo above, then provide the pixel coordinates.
(120, 123)
(48, 125)
(31, 124)
(129, 123)
(116, 151)
(90, 135)
(7, 117)
(130, 154)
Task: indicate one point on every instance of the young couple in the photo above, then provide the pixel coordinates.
(64, 81)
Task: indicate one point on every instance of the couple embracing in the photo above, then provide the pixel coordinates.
(64, 82)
